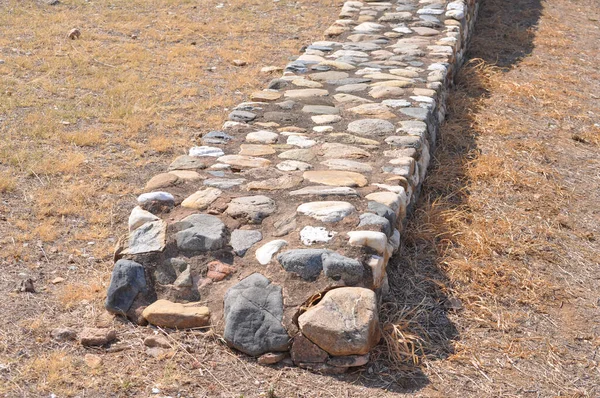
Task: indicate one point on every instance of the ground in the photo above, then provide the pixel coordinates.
(495, 288)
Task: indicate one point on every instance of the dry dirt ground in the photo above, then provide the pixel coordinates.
(496, 287)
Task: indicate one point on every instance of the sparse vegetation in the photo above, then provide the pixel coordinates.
(495, 286)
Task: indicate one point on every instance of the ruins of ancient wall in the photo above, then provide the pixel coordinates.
(278, 229)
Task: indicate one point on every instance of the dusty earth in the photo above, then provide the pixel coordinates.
(496, 285)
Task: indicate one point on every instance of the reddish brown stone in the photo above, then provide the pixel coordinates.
(217, 271)
(305, 351)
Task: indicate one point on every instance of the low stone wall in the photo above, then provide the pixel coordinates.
(277, 230)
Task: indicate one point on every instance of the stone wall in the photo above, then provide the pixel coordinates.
(277, 230)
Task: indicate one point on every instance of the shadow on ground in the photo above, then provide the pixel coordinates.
(421, 291)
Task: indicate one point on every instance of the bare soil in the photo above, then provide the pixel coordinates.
(495, 288)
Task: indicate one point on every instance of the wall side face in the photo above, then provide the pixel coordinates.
(277, 230)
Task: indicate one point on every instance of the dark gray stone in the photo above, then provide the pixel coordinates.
(337, 267)
(243, 239)
(382, 211)
(216, 137)
(404, 141)
(253, 316)
(277, 84)
(307, 263)
(382, 223)
(200, 232)
(126, 281)
(242, 116)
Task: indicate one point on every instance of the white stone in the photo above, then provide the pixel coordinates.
(377, 264)
(262, 137)
(375, 240)
(139, 217)
(327, 211)
(293, 165)
(310, 235)
(322, 129)
(390, 199)
(300, 141)
(199, 151)
(326, 119)
(368, 27)
(155, 196)
(266, 251)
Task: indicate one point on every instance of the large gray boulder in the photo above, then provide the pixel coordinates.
(126, 281)
(200, 232)
(253, 316)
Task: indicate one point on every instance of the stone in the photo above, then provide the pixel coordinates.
(338, 267)
(335, 150)
(161, 197)
(265, 96)
(338, 65)
(300, 141)
(327, 211)
(349, 165)
(372, 239)
(162, 180)
(396, 17)
(200, 200)
(405, 141)
(63, 334)
(326, 119)
(244, 162)
(265, 253)
(371, 127)
(251, 208)
(320, 190)
(307, 263)
(350, 99)
(336, 178)
(157, 341)
(352, 139)
(199, 151)
(271, 184)
(396, 202)
(368, 27)
(417, 113)
(147, 238)
(244, 239)
(377, 265)
(320, 109)
(386, 92)
(271, 358)
(348, 361)
(330, 75)
(185, 278)
(185, 162)
(167, 314)
(311, 235)
(217, 271)
(224, 183)
(305, 351)
(262, 137)
(253, 312)
(242, 116)
(306, 83)
(374, 110)
(351, 88)
(200, 232)
(394, 103)
(255, 150)
(139, 217)
(97, 336)
(126, 282)
(186, 175)
(381, 223)
(383, 211)
(306, 93)
(216, 137)
(303, 155)
(344, 322)
(293, 165)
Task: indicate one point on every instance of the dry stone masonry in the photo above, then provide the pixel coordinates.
(277, 230)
